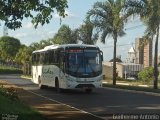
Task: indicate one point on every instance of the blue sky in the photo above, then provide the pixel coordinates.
(76, 14)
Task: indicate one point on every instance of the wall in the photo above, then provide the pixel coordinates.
(107, 71)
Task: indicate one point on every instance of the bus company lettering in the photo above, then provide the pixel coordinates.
(47, 71)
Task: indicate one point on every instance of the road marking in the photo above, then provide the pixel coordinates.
(82, 111)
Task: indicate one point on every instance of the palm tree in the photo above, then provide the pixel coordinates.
(149, 11)
(86, 33)
(108, 20)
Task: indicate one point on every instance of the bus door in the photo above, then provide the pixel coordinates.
(61, 64)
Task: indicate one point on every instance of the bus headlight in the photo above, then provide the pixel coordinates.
(69, 78)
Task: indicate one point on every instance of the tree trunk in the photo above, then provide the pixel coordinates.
(155, 61)
(114, 59)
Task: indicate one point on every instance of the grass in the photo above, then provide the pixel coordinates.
(9, 70)
(7, 67)
(15, 107)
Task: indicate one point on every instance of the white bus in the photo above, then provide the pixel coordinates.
(70, 66)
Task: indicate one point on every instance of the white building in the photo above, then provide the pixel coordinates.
(124, 70)
(131, 56)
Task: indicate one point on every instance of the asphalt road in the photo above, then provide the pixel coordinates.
(102, 102)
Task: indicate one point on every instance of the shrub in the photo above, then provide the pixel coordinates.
(10, 92)
(147, 75)
(119, 78)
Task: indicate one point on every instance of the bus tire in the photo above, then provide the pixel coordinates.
(40, 84)
(58, 89)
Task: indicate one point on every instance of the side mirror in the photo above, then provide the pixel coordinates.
(101, 54)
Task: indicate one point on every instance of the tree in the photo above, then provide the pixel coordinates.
(117, 60)
(147, 75)
(9, 47)
(44, 43)
(40, 45)
(149, 11)
(108, 20)
(24, 55)
(35, 46)
(65, 35)
(40, 11)
(86, 33)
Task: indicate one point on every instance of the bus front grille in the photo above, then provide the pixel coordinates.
(85, 86)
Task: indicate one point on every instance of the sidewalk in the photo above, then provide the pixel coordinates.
(124, 83)
(51, 109)
(132, 87)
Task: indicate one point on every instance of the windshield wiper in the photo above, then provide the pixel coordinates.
(91, 68)
(78, 69)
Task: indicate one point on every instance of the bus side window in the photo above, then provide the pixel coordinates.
(40, 61)
(38, 58)
(51, 57)
(46, 58)
(56, 58)
(35, 58)
(61, 59)
(42, 58)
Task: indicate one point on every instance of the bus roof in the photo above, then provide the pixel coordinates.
(51, 47)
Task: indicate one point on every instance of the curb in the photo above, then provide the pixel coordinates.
(29, 78)
(133, 91)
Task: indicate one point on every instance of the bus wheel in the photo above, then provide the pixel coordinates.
(40, 84)
(88, 90)
(58, 90)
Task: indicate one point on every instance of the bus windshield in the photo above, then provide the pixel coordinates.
(84, 63)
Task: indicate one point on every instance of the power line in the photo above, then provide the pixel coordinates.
(130, 28)
(134, 27)
(118, 45)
